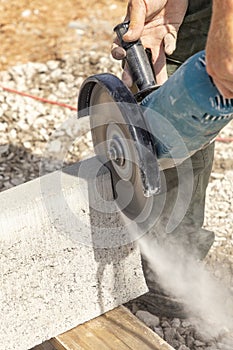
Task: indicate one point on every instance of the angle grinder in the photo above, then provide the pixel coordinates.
(136, 135)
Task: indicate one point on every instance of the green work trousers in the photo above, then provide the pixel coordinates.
(189, 233)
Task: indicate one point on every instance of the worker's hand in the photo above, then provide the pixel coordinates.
(219, 47)
(157, 23)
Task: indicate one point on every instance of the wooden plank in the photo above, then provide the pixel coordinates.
(118, 329)
(45, 346)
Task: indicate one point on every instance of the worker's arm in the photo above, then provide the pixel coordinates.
(219, 47)
(156, 22)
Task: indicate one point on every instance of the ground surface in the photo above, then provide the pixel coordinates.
(42, 30)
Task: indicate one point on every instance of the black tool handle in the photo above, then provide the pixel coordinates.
(137, 59)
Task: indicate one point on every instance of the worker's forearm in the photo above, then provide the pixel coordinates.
(219, 47)
(223, 12)
(222, 6)
(221, 28)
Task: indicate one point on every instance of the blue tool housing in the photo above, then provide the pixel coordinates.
(187, 112)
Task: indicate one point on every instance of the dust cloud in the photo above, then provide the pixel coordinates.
(206, 299)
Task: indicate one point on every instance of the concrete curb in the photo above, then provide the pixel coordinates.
(61, 260)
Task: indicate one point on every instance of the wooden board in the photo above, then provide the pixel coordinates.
(118, 329)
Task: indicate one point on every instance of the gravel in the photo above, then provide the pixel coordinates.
(183, 335)
(31, 130)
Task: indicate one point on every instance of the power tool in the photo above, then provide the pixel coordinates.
(137, 135)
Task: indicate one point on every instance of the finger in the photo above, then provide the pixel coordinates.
(170, 43)
(126, 77)
(224, 87)
(159, 65)
(117, 52)
(136, 14)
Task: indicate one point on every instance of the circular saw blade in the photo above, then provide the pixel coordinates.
(115, 148)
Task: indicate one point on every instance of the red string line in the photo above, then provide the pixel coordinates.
(224, 139)
(64, 105)
(41, 99)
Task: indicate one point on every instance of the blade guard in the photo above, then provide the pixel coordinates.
(133, 116)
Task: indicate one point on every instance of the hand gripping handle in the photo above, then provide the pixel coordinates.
(137, 59)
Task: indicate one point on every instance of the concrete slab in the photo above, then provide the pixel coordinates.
(65, 255)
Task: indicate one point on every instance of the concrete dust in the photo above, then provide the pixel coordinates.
(206, 299)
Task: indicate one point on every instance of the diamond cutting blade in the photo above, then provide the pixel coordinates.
(116, 149)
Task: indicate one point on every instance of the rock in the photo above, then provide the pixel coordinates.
(202, 337)
(159, 331)
(180, 338)
(56, 75)
(183, 347)
(4, 148)
(54, 146)
(186, 323)
(27, 145)
(176, 322)
(17, 181)
(169, 334)
(52, 65)
(189, 341)
(198, 343)
(165, 324)
(149, 319)
(181, 330)
(78, 25)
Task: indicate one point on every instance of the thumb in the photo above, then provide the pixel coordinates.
(136, 14)
(170, 43)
